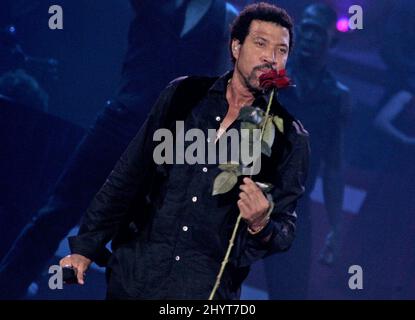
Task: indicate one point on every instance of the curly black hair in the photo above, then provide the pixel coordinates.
(259, 11)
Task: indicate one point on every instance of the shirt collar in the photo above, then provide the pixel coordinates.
(220, 85)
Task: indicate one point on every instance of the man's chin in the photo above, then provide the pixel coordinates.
(252, 82)
(255, 88)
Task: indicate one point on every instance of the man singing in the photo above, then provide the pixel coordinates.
(169, 233)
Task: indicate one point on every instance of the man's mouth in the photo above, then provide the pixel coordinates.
(265, 70)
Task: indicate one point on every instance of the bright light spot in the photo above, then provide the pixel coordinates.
(343, 25)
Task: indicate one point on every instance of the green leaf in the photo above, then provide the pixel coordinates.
(248, 139)
(265, 149)
(249, 125)
(279, 122)
(251, 114)
(231, 167)
(251, 165)
(224, 182)
(269, 133)
(245, 113)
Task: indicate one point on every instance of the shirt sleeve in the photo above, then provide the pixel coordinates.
(289, 181)
(125, 184)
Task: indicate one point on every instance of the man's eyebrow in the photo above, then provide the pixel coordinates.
(260, 37)
(257, 36)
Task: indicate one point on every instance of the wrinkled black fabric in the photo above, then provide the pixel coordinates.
(160, 260)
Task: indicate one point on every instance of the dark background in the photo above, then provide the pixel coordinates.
(90, 51)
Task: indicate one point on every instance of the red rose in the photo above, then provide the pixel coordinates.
(274, 79)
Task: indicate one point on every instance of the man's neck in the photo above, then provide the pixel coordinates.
(237, 94)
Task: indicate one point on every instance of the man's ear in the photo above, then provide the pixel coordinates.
(236, 45)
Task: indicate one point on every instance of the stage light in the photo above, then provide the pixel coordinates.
(342, 25)
(12, 29)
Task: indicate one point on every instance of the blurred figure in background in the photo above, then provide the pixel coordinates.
(18, 90)
(384, 231)
(6, 57)
(23, 89)
(322, 104)
(185, 32)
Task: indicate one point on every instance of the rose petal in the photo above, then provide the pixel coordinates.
(274, 79)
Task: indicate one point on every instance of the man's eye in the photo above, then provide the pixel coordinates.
(260, 43)
(283, 50)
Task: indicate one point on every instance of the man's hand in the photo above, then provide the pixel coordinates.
(253, 205)
(79, 263)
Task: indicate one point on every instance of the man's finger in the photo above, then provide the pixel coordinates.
(249, 181)
(243, 208)
(247, 188)
(250, 186)
(243, 195)
(80, 274)
(65, 262)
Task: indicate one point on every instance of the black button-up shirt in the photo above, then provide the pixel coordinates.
(191, 228)
(188, 231)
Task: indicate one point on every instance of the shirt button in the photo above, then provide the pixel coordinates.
(194, 199)
(205, 169)
(208, 140)
(218, 118)
(177, 258)
(185, 228)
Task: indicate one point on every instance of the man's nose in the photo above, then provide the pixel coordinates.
(270, 57)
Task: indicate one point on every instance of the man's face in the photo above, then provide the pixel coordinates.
(265, 47)
(316, 34)
(313, 40)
